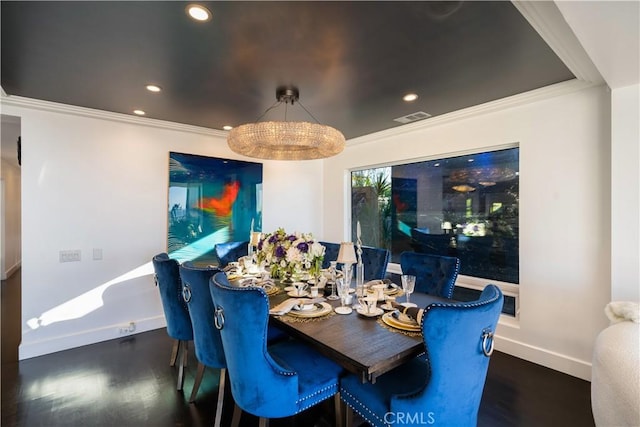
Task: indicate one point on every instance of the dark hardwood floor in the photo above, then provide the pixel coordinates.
(128, 382)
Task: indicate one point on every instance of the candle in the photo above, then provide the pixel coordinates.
(358, 230)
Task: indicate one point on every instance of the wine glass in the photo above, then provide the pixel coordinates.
(408, 284)
(343, 292)
(332, 269)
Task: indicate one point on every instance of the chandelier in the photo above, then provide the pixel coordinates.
(285, 140)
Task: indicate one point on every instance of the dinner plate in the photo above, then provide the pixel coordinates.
(398, 324)
(387, 307)
(373, 313)
(289, 288)
(320, 309)
(296, 295)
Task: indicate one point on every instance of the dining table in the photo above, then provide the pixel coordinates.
(361, 344)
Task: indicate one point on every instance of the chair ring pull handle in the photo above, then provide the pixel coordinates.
(155, 279)
(186, 292)
(487, 342)
(218, 318)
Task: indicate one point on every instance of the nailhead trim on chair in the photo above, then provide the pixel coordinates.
(363, 406)
(328, 388)
(442, 304)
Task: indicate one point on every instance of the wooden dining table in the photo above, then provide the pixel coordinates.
(358, 343)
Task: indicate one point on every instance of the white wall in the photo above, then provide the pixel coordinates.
(564, 213)
(89, 182)
(625, 194)
(10, 219)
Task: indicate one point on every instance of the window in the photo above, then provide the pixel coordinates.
(464, 206)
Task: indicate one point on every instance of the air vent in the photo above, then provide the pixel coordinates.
(413, 117)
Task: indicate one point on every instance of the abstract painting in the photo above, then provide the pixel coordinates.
(210, 200)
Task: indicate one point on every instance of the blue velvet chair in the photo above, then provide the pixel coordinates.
(330, 253)
(435, 275)
(167, 278)
(230, 251)
(272, 381)
(206, 338)
(375, 260)
(445, 388)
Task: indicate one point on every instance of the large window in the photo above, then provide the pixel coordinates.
(464, 206)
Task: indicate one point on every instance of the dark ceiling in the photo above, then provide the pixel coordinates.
(352, 61)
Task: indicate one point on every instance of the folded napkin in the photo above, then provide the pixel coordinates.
(289, 304)
(387, 282)
(414, 313)
(264, 282)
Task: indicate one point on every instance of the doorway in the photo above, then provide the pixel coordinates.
(10, 237)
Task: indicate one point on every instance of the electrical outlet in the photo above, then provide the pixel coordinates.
(127, 329)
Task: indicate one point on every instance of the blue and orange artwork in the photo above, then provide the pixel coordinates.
(211, 200)
(222, 205)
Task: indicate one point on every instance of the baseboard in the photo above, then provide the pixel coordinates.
(15, 267)
(556, 361)
(82, 338)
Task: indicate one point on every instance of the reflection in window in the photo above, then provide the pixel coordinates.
(465, 206)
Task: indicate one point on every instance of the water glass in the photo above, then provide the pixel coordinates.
(343, 290)
(408, 284)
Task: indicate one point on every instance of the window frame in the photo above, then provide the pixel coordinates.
(468, 282)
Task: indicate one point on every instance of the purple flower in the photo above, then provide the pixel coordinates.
(291, 238)
(273, 238)
(303, 247)
(280, 252)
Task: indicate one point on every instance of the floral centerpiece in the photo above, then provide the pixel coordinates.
(283, 253)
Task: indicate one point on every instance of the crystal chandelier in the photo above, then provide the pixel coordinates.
(286, 140)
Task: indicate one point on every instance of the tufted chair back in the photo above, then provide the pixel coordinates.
(270, 382)
(445, 388)
(435, 274)
(167, 276)
(330, 253)
(195, 291)
(230, 251)
(457, 338)
(375, 260)
(259, 383)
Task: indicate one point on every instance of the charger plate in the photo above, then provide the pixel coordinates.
(411, 326)
(320, 309)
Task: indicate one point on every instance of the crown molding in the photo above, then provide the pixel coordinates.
(548, 21)
(55, 107)
(541, 94)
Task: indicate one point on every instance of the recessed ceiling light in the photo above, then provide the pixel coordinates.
(470, 160)
(198, 12)
(410, 97)
(154, 88)
(139, 112)
(227, 127)
(437, 164)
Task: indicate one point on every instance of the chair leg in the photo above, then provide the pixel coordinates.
(264, 422)
(237, 412)
(196, 384)
(183, 363)
(349, 416)
(337, 403)
(218, 419)
(174, 352)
